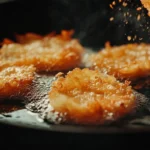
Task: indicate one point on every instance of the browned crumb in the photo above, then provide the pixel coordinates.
(146, 4)
(6, 41)
(90, 97)
(50, 53)
(27, 38)
(130, 61)
(15, 80)
(139, 8)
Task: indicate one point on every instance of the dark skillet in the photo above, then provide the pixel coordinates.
(90, 19)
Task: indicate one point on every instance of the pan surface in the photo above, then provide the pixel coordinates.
(25, 119)
(92, 26)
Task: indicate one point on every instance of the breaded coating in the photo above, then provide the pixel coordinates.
(51, 53)
(89, 97)
(146, 4)
(27, 38)
(126, 62)
(15, 80)
(6, 41)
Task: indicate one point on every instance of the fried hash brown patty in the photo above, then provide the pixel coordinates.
(131, 61)
(15, 80)
(146, 4)
(90, 97)
(51, 53)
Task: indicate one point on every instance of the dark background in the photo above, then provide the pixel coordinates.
(90, 20)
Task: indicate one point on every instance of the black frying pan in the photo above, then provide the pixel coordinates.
(90, 20)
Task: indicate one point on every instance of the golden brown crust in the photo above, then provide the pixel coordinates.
(31, 37)
(27, 38)
(6, 41)
(127, 62)
(51, 53)
(15, 80)
(146, 4)
(90, 97)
